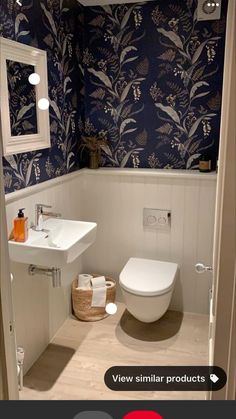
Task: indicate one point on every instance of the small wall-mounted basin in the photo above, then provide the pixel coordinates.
(60, 243)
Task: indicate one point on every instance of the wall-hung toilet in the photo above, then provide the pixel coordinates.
(147, 287)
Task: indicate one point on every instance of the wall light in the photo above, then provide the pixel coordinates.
(43, 104)
(34, 79)
(19, 2)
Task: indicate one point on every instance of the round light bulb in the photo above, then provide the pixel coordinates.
(43, 104)
(34, 79)
(111, 308)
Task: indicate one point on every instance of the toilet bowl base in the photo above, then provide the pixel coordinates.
(147, 309)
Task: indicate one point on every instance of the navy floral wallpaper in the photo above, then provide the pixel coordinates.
(145, 77)
(57, 27)
(153, 77)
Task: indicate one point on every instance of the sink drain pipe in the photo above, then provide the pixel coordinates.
(53, 273)
(20, 355)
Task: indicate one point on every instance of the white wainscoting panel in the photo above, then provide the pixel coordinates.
(115, 199)
(40, 310)
(116, 203)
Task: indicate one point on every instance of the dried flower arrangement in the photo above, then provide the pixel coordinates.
(93, 144)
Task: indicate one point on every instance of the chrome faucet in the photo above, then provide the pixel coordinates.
(39, 211)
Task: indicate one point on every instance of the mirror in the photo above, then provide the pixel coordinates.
(23, 89)
(21, 98)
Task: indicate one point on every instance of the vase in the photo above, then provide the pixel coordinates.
(93, 160)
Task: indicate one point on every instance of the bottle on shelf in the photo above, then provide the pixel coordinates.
(205, 163)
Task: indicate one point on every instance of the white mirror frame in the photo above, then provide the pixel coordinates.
(15, 51)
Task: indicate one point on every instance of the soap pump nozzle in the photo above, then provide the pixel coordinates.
(20, 213)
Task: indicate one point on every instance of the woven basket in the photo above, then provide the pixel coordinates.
(81, 302)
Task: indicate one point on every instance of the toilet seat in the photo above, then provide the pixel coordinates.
(148, 277)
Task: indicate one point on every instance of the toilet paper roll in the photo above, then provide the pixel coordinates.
(99, 291)
(98, 282)
(109, 284)
(84, 281)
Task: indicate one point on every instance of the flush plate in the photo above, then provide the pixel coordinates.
(156, 218)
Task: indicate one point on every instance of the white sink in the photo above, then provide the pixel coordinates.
(61, 243)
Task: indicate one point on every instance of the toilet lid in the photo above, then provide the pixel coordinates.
(148, 277)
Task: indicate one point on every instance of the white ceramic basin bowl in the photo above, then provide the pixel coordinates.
(61, 243)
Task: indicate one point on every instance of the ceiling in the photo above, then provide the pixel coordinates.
(104, 2)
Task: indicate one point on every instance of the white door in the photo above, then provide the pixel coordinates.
(222, 330)
(8, 371)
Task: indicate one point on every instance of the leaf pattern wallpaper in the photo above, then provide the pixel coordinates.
(146, 77)
(57, 27)
(153, 77)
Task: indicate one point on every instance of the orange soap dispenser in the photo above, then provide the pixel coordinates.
(21, 227)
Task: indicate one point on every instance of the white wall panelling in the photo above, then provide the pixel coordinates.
(116, 203)
(39, 309)
(115, 198)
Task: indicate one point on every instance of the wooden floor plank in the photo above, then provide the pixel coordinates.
(74, 364)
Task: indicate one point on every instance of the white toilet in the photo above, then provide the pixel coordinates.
(147, 286)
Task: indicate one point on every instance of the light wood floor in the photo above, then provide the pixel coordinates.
(74, 364)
